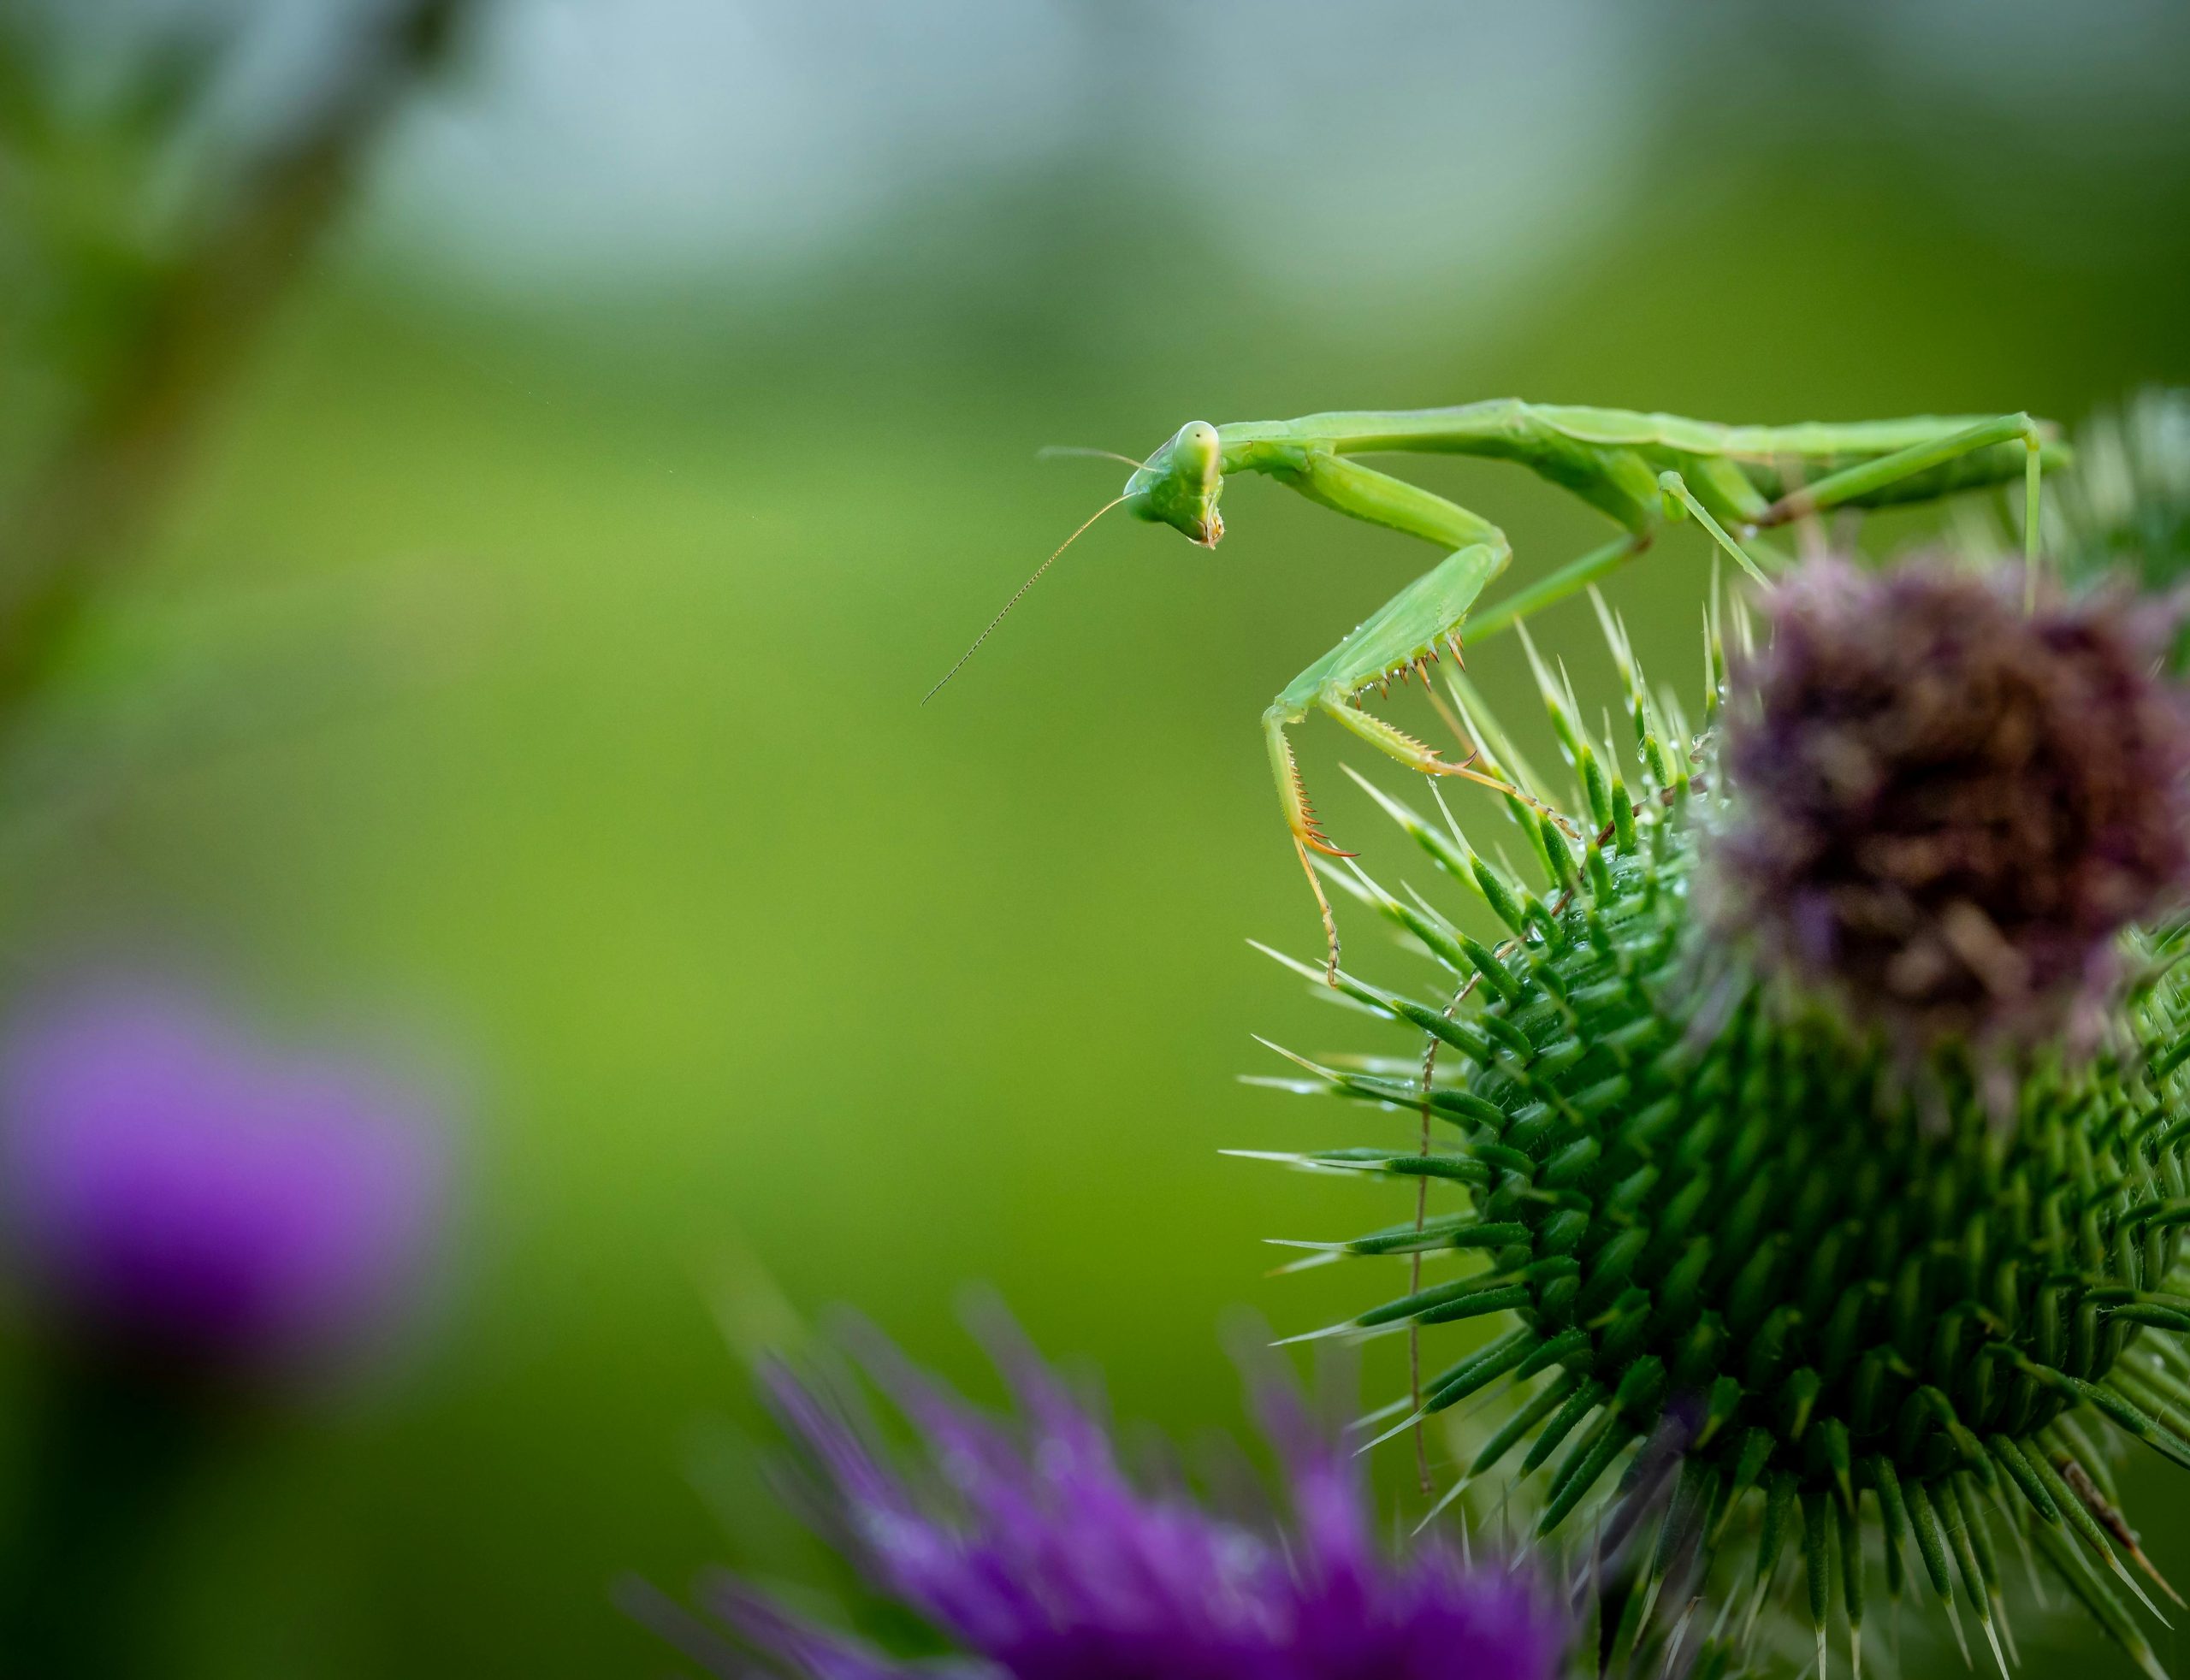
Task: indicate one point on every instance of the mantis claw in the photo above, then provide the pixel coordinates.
(1447, 767)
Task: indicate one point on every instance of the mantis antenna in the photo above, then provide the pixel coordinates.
(1014, 601)
(1052, 451)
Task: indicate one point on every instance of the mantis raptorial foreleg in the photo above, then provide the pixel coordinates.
(1403, 635)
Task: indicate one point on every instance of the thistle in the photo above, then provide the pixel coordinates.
(195, 1222)
(1870, 1302)
(176, 1194)
(1033, 1553)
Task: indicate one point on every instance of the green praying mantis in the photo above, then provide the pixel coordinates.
(1645, 471)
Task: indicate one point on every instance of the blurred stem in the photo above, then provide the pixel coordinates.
(114, 1449)
(106, 479)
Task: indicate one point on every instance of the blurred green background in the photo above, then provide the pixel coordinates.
(532, 655)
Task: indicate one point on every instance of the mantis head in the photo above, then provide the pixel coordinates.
(1178, 486)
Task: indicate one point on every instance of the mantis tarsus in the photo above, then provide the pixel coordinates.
(1644, 471)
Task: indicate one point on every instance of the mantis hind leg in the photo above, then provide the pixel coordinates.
(1853, 483)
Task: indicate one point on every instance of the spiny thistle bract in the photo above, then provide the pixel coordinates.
(2127, 506)
(1873, 1320)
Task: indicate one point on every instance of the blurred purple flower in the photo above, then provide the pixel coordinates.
(1030, 1549)
(173, 1184)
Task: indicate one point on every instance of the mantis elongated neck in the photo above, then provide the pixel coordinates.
(1470, 428)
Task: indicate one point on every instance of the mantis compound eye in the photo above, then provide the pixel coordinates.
(1197, 444)
(1180, 484)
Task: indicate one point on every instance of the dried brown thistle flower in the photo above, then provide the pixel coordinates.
(1944, 808)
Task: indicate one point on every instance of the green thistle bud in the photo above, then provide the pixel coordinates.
(1719, 1223)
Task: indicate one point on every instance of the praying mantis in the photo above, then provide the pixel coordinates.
(1645, 471)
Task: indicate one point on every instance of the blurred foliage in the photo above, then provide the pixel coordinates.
(553, 664)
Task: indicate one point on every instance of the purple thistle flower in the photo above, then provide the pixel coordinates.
(171, 1185)
(1031, 1551)
(1944, 807)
